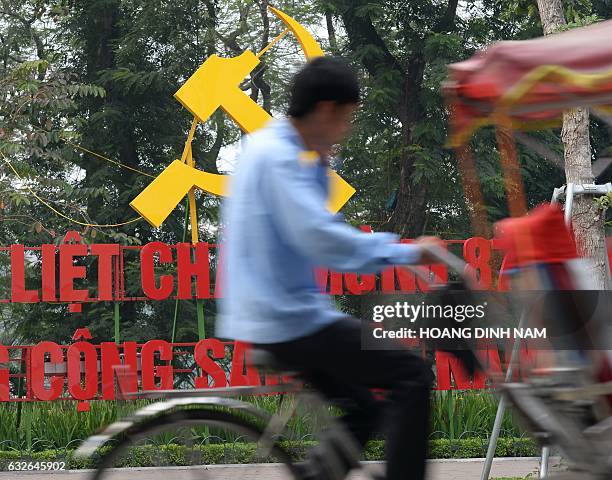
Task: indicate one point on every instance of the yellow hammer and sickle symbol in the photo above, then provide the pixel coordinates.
(216, 84)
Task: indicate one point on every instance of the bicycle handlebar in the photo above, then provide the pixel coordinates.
(455, 263)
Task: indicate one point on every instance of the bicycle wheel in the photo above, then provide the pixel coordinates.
(192, 444)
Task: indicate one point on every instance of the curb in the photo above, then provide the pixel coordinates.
(239, 466)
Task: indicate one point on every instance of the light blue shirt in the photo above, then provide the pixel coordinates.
(277, 229)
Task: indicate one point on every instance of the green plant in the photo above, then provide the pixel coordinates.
(56, 425)
(459, 413)
(454, 414)
(603, 203)
(243, 452)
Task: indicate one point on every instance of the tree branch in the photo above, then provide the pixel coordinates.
(210, 8)
(257, 80)
(231, 40)
(363, 36)
(331, 32)
(213, 154)
(447, 21)
(40, 48)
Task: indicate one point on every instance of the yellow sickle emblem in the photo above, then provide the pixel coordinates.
(216, 84)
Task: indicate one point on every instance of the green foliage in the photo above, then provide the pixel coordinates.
(105, 80)
(581, 22)
(56, 425)
(242, 452)
(402, 128)
(455, 415)
(102, 74)
(604, 202)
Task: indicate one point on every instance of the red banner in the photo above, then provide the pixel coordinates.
(77, 273)
(84, 371)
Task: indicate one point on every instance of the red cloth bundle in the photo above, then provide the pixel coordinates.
(539, 237)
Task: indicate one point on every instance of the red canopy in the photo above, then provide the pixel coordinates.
(528, 83)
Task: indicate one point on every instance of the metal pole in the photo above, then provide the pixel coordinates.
(569, 202)
(486, 470)
(117, 320)
(544, 461)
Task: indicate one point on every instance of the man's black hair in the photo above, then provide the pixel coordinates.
(322, 79)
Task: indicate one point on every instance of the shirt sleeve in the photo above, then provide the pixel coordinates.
(298, 207)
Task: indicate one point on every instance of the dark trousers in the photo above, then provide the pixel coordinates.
(334, 363)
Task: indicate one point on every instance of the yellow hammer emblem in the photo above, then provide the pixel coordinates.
(216, 84)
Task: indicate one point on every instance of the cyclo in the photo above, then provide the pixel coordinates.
(563, 405)
(567, 405)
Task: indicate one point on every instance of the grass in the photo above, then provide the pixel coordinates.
(455, 415)
(175, 454)
(55, 425)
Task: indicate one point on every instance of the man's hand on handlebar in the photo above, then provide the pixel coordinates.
(429, 242)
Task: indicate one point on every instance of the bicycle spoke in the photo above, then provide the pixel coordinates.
(192, 449)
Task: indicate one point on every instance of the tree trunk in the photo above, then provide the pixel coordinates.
(331, 32)
(408, 217)
(587, 219)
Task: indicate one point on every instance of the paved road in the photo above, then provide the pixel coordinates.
(468, 469)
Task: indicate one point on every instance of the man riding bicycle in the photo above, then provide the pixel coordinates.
(277, 229)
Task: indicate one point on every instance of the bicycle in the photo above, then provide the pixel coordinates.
(545, 407)
(184, 413)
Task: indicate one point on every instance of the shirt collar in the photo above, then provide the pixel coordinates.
(294, 136)
(290, 132)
